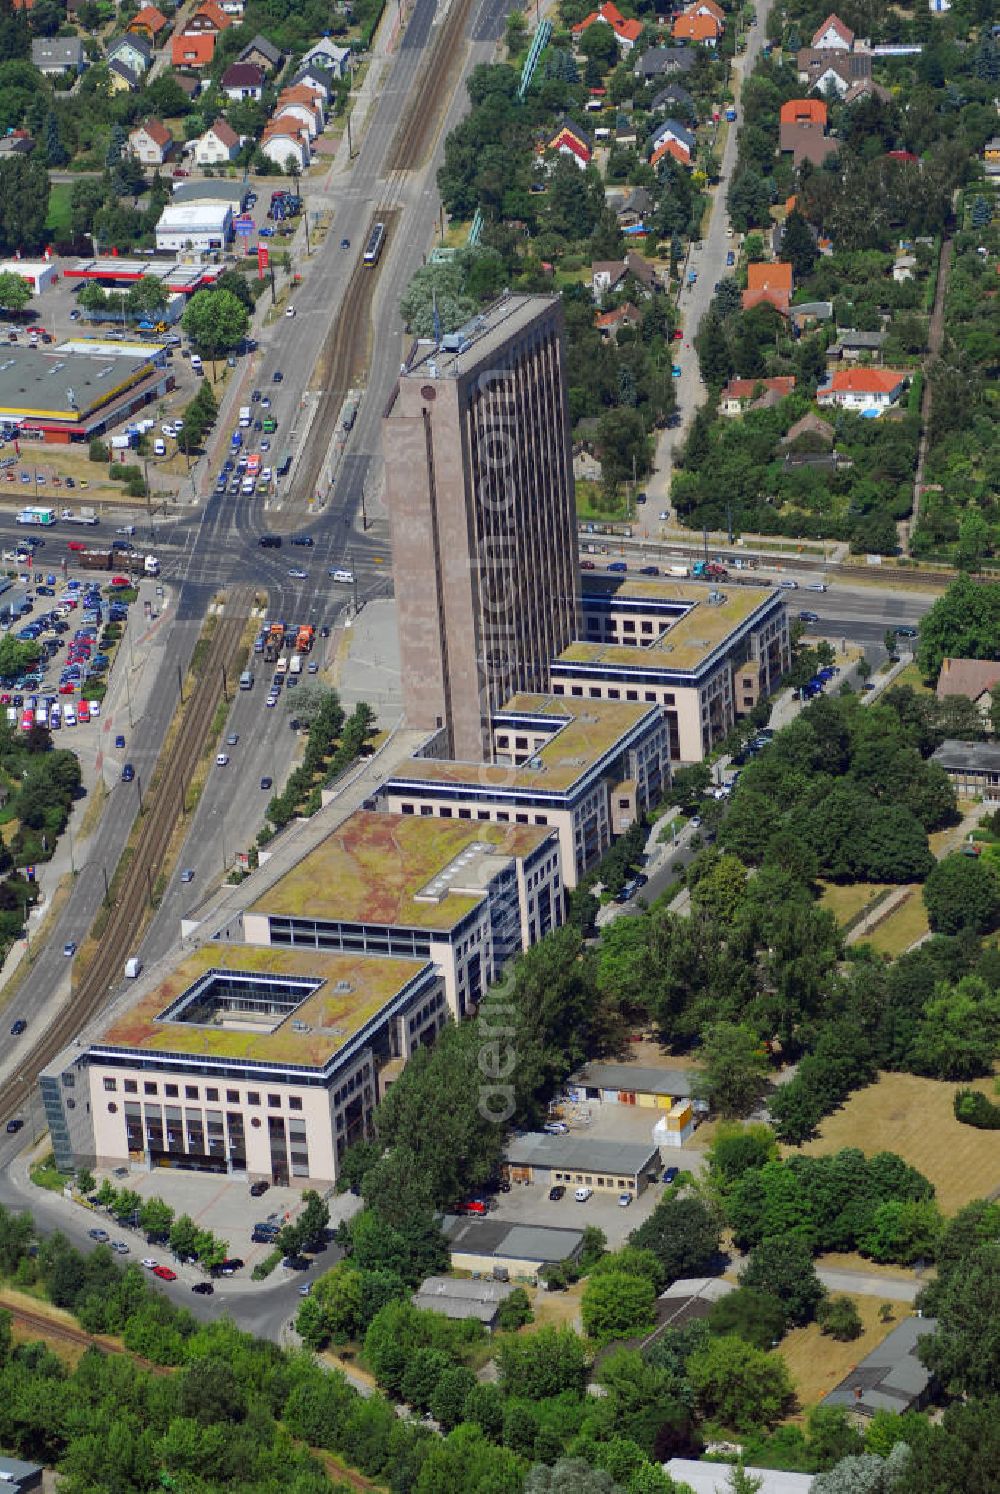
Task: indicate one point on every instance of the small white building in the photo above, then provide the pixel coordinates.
(327, 54)
(39, 273)
(219, 145)
(150, 143)
(194, 226)
(283, 140)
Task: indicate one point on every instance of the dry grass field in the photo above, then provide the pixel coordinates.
(847, 901)
(913, 1117)
(817, 1363)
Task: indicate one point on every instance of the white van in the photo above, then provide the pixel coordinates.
(582, 1194)
(196, 363)
(159, 447)
(345, 576)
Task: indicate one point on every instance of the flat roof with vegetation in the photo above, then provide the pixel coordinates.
(396, 870)
(348, 990)
(586, 732)
(685, 642)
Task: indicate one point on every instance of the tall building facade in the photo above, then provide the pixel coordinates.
(479, 482)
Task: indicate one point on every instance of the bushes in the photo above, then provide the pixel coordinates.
(973, 1109)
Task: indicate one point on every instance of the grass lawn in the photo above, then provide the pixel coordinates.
(45, 1174)
(913, 1117)
(846, 902)
(58, 219)
(556, 1309)
(911, 676)
(591, 506)
(817, 1363)
(902, 928)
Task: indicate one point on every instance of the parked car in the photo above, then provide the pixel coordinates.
(259, 1188)
(163, 1272)
(203, 1288)
(670, 1175)
(582, 1194)
(556, 1193)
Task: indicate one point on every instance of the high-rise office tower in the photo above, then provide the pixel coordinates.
(479, 482)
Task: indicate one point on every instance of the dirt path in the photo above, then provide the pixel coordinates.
(47, 1324)
(935, 338)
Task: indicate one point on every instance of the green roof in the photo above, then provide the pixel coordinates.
(377, 868)
(687, 642)
(353, 989)
(590, 729)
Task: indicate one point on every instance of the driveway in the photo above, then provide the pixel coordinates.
(870, 1284)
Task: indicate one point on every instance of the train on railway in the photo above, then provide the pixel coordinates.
(375, 245)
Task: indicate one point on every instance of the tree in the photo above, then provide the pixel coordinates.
(891, 642)
(541, 1364)
(156, 1216)
(737, 1149)
(798, 245)
(964, 624)
(734, 1068)
(24, 202)
(15, 292)
(784, 1268)
(215, 321)
(616, 1305)
(447, 1403)
(839, 1318)
(684, 1233)
(85, 1180)
(756, 1317)
(868, 1474)
(515, 1311)
(958, 1036)
(184, 1236)
(569, 1476)
(739, 1385)
(962, 892)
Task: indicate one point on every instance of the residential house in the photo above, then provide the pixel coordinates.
(219, 145)
(808, 313)
(938, 7)
(742, 394)
(208, 19)
(973, 768)
(806, 142)
(822, 70)
(263, 52)
(306, 106)
(991, 156)
(150, 142)
(866, 88)
(862, 389)
(715, 1478)
(460, 1298)
(233, 8)
(121, 78)
(674, 149)
(243, 80)
(635, 208)
(17, 143)
(891, 1377)
(804, 111)
(833, 36)
(315, 77)
(284, 140)
(627, 33)
(148, 22)
(852, 345)
(188, 84)
(976, 679)
(627, 135)
(55, 55)
(327, 54)
(570, 140)
(677, 99)
(707, 8)
(771, 282)
(610, 323)
(810, 430)
(135, 51)
(698, 30)
(664, 62)
(193, 51)
(607, 274)
(672, 129)
(903, 267)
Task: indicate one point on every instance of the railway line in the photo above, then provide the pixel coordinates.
(53, 1328)
(160, 811)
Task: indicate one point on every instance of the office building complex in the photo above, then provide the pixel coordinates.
(588, 769)
(480, 491)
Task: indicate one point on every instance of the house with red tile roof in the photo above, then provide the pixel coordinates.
(305, 104)
(973, 678)
(707, 8)
(741, 393)
(284, 139)
(610, 323)
(701, 30)
(833, 36)
(862, 389)
(627, 33)
(150, 142)
(674, 149)
(771, 282)
(804, 111)
(209, 17)
(572, 141)
(147, 22)
(192, 51)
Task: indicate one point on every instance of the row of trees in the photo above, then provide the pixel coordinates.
(158, 1220)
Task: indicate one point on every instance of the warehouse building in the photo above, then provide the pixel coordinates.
(464, 896)
(582, 1161)
(194, 227)
(504, 1250)
(973, 767)
(631, 1084)
(253, 1062)
(707, 655)
(39, 274)
(589, 770)
(80, 389)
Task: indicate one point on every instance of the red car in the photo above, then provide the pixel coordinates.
(587, 565)
(120, 581)
(164, 1273)
(76, 545)
(68, 689)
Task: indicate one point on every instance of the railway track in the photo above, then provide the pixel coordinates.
(49, 1328)
(419, 125)
(160, 811)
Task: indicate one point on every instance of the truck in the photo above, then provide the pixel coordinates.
(117, 560)
(709, 570)
(273, 642)
(246, 419)
(122, 443)
(81, 516)
(295, 664)
(304, 638)
(133, 967)
(282, 666)
(679, 570)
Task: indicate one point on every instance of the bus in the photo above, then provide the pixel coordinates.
(376, 241)
(284, 466)
(36, 516)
